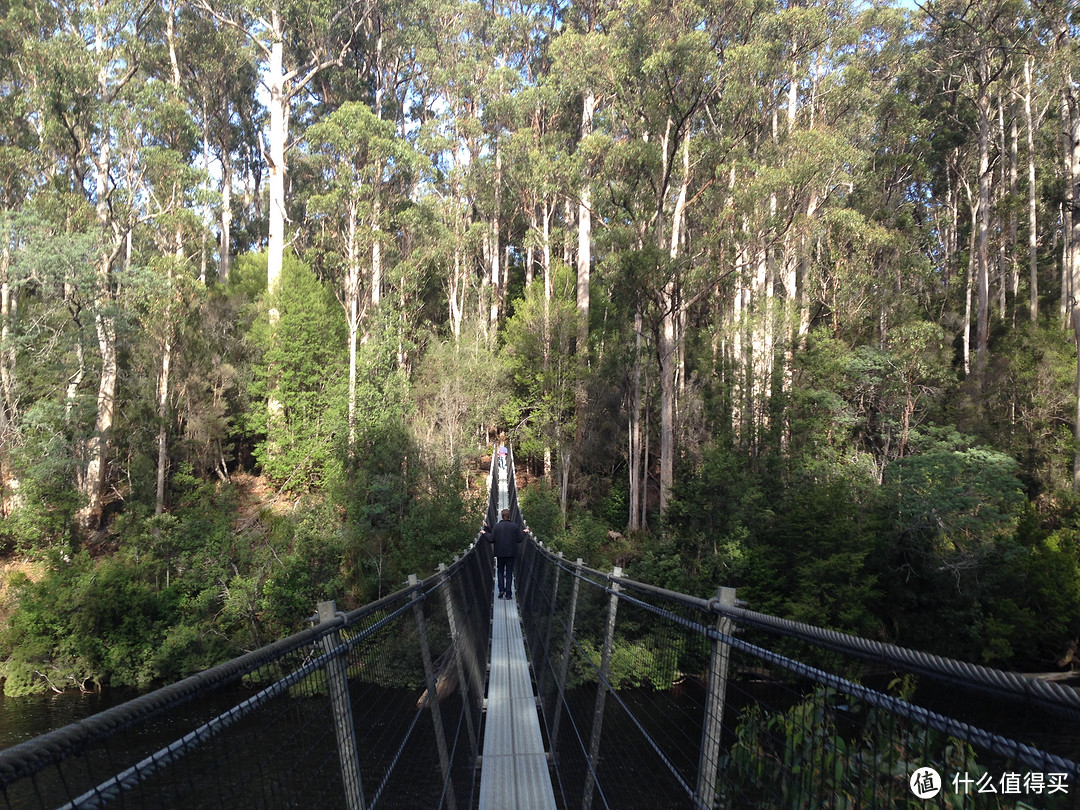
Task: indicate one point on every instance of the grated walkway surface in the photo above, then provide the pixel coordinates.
(515, 771)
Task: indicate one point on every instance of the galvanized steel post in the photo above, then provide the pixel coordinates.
(337, 682)
(713, 722)
(455, 642)
(567, 642)
(432, 689)
(601, 689)
(542, 676)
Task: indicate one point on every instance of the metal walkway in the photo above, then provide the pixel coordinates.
(514, 770)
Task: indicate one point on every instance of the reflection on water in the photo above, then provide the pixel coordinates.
(26, 717)
(282, 755)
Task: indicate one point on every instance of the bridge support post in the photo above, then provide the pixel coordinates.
(601, 690)
(337, 682)
(542, 676)
(713, 723)
(565, 664)
(433, 695)
(455, 642)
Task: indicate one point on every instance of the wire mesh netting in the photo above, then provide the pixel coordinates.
(654, 699)
(265, 730)
(649, 699)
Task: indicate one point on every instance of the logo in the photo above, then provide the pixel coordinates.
(925, 783)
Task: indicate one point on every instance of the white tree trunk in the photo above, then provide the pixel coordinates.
(496, 273)
(278, 103)
(668, 348)
(584, 249)
(1033, 235)
(1068, 294)
(352, 316)
(982, 247)
(97, 447)
(635, 438)
(10, 484)
(226, 215)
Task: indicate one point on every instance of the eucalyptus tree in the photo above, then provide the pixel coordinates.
(668, 65)
(1059, 18)
(357, 154)
(19, 175)
(218, 75)
(977, 44)
(451, 134)
(297, 41)
(87, 74)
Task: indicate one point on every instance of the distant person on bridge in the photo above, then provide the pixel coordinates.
(506, 537)
(502, 456)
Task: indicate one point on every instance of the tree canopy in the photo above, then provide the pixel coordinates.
(779, 294)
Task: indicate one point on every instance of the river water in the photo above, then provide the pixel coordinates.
(27, 717)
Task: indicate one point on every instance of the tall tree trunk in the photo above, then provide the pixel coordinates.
(969, 294)
(224, 248)
(163, 415)
(278, 102)
(1068, 294)
(982, 247)
(584, 251)
(204, 246)
(999, 200)
(584, 270)
(352, 316)
(279, 135)
(1072, 184)
(667, 343)
(1075, 315)
(635, 458)
(376, 252)
(1033, 235)
(97, 447)
(178, 252)
(10, 485)
(1014, 190)
(9, 308)
(549, 212)
(494, 254)
(530, 249)
(738, 346)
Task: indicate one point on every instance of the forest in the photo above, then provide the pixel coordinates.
(775, 294)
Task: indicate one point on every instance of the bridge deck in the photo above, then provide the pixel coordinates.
(514, 772)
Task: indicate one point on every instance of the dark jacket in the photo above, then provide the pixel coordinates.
(506, 536)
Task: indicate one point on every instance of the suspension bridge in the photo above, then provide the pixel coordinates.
(587, 689)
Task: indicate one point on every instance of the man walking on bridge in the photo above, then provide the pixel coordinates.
(506, 537)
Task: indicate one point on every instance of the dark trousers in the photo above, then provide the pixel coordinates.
(506, 575)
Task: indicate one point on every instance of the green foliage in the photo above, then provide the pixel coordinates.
(813, 565)
(88, 622)
(308, 572)
(965, 499)
(540, 506)
(715, 510)
(633, 663)
(538, 353)
(304, 356)
(827, 751)
(46, 517)
(459, 386)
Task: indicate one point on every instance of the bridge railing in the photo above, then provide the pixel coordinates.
(657, 699)
(339, 715)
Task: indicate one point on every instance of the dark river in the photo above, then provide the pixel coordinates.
(26, 717)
